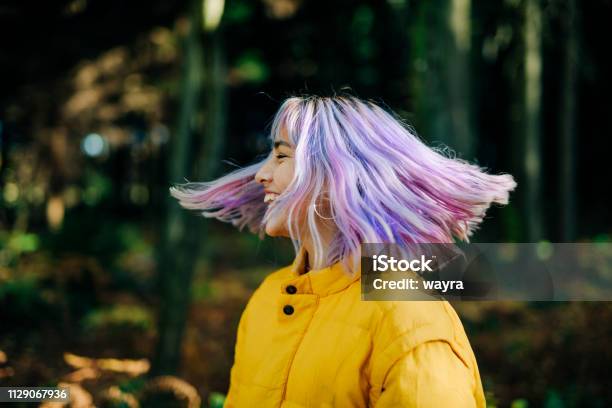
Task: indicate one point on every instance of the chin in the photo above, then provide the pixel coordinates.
(275, 229)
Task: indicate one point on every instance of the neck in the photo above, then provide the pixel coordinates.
(311, 251)
(308, 256)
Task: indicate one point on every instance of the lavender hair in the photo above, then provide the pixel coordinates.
(384, 185)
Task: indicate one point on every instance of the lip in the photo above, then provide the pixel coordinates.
(273, 201)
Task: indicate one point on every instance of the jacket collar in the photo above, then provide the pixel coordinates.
(322, 282)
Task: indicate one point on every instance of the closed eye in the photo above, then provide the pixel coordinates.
(281, 156)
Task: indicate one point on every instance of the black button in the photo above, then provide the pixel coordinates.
(291, 289)
(288, 309)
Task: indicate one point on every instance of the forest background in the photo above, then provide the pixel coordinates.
(109, 287)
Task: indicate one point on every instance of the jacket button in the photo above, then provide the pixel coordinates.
(291, 289)
(288, 309)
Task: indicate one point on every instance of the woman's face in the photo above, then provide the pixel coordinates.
(275, 175)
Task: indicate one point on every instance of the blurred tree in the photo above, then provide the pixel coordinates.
(440, 35)
(567, 123)
(523, 79)
(202, 106)
(532, 105)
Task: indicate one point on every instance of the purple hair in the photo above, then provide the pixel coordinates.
(384, 185)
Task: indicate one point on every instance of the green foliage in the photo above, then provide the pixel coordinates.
(554, 400)
(237, 12)
(216, 400)
(97, 187)
(201, 289)
(363, 19)
(519, 403)
(251, 67)
(119, 315)
(513, 226)
(15, 244)
(490, 397)
(132, 385)
(23, 292)
(23, 242)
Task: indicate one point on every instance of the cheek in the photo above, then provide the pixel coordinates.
(284, 174)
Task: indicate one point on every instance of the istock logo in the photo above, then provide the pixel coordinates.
(383, 263)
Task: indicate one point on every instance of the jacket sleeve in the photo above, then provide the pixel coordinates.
(235, 373)
(430, 375)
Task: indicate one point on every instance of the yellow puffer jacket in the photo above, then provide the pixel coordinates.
(309, 341)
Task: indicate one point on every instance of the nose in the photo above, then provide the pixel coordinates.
(264, 174)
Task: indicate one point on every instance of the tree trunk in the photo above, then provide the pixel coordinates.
(440, 45)
(194, 153)
(459, 81)
(567, 125)
(532, 119)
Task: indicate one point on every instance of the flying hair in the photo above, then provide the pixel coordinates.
(382, 183)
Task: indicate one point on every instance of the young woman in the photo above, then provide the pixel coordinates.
(343, 171)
